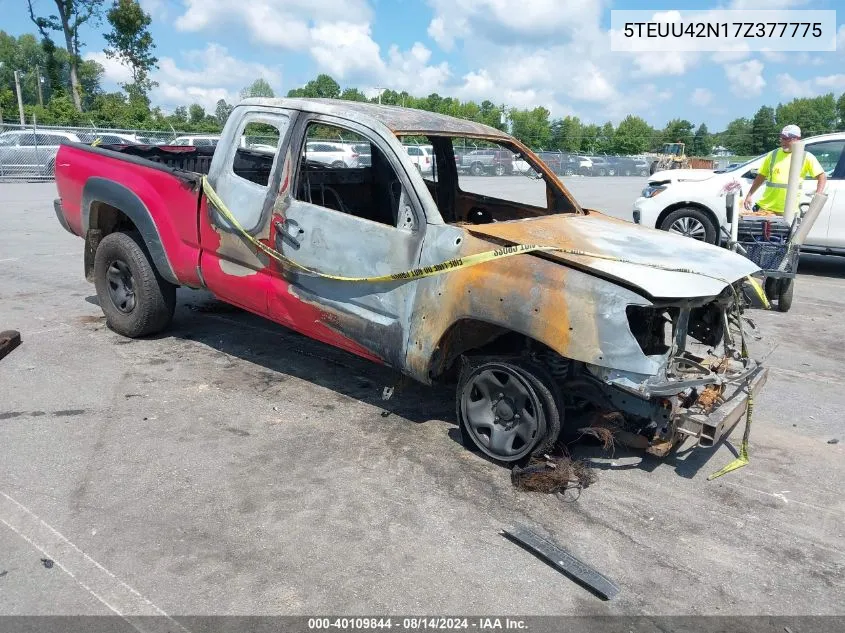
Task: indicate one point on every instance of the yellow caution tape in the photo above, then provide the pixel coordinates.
(743, 458)
(437, 269)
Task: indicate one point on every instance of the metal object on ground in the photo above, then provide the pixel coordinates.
(563, 561)
(9, 340)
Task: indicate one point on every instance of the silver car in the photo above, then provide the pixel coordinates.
(28, 153)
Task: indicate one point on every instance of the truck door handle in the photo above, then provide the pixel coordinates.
(288, 232)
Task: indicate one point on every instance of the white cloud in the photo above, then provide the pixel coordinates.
(701, 97)
(203, 77)
(279, 23)
(500, 21)
(113, 70)
(840, 39)
(834, 83)
(792, 88)
(746, 79)
(661, 64)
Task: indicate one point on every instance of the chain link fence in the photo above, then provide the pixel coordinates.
(28, 152)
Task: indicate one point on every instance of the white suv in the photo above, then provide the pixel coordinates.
(692, 202)
(24, 152)
(197, 141)
(422, 156)
(331, 154)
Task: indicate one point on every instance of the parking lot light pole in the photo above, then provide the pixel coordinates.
(20, 99)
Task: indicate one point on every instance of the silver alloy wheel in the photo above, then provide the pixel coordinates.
(689, 227)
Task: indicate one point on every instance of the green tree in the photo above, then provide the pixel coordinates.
(131, 43)
(71, 16)
(840, 109)
(678, 131)
(323, 86)
(589, 138)
(702, 144)
(222, 111)
(353, 94)
(632, 136)
(490, 115)
(258, 88)
(737, 137)
(814, 115)
(196, 113)
(764, 134)
(531, 126)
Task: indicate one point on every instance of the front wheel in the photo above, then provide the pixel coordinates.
(691, 222)
(477, 169)
(507, 410)
(569, 171)
(499, 170)
(136, 300)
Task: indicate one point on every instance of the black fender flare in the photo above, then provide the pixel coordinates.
(116, 195)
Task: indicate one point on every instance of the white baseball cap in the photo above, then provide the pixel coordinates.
(791, 130)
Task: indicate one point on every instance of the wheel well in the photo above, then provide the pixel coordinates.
(477, 337)
(109, 219)
(102, 220)
(684, 205)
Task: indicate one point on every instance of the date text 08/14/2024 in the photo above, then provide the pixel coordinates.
(416, 624)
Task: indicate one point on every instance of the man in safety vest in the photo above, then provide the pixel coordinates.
(775, 173)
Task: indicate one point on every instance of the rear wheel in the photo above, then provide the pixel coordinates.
(136, 300)
(785, 288)
(507, 410)
(499, 170)
(569, 171)
(690, 222)
(644, 172)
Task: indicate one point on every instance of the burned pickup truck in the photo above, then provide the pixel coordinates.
(609, 315)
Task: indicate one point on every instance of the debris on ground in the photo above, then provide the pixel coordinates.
(3, 573)
(833, 441)
(9, 340)
(563, 561)
(552, 475)
(47, 562)
(608, 428)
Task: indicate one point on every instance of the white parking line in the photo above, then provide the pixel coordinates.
(17, 259)
(107, 588)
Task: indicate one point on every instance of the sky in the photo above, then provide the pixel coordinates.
(551, 53)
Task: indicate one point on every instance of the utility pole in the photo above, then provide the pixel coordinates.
(20, 99)
(38, 83)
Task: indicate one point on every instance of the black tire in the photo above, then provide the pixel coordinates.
(541, 405)
(602, 172)
(785, 289)
(477, 169)
(611, 172)
(644, 172)
(771, 288)
(569, 171)
(691, 222)
(122, 270)
(499, 170)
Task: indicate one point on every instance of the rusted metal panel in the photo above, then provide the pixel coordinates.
(711, 268)
(398, 120)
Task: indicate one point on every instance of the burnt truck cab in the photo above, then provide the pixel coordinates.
(618, 317)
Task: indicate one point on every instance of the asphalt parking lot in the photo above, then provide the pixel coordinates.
(230, 466)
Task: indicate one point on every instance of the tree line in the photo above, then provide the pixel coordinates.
(59, 87)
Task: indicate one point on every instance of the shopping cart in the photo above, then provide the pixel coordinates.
(773, 244)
